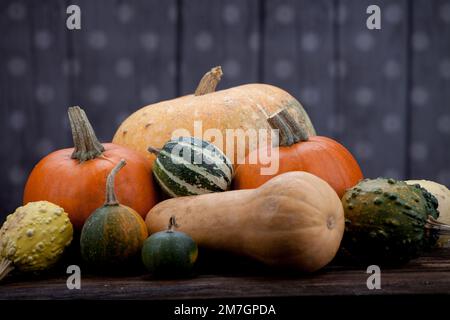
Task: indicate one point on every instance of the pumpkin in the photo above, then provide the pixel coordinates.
(114, 233)
(298, 151)
(75, 178)
(388, 221)
(33, 238)
(190, 166)
(294, 220)
(169, 253)
(240, 108)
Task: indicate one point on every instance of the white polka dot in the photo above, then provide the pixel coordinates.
(44, 147)
(419, 151)
(97, 40)
(172, 13)
(392, 123)
(444, 177)
(364, 41)
(16, 175)
(444, 69)
(232, 68)
(231, 14)
(121, 117)
(125, 13)
(172, 68)
(420, 41)
(17, 66)
(283, 69)
(393, 13)
(17, 11)
(342, 14)
(45, 93)
(392, 173)
(443, 124)
(98, 94)
(419, 96)
(284, 14)
(336, 123)
(71, 67)
(338, 69)
(150, 41)
(444, 12)
(124, 67)
(363, 150)
(17, 120)
(43, 39)
(364, 96)
(392, 69)
(310, 42)
(310, 95)
(253, 41)
(149, 94)
(203, 41)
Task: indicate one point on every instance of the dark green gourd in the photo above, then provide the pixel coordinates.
(190, 166)
(389, 221)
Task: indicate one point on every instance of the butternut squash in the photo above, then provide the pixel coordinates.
(294, 220)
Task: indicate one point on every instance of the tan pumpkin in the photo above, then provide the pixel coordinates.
(243, 107)
(294, 220)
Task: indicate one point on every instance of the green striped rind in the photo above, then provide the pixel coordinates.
(190, 166)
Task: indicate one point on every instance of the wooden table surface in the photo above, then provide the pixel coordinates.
(429, 274)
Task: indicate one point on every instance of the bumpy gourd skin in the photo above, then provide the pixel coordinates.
(34, 237)
(385, 221)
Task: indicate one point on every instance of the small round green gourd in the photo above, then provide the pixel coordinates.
(169, 254)
(113, 234)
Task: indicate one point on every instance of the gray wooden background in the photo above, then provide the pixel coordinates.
(383, 93)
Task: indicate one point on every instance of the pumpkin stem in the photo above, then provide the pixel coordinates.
(209, 81)
(153, 150)
(86, 144)
(111, 199)
(439, 227)
(290, 131)
(5, 268)
(172, 224)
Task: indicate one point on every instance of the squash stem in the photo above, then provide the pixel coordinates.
(209, 81)
(5, 268)
(111, 199)
(153, 150)
(300, 134)
(86, 144)
(172, 224)
(439, 227)
(277, 122)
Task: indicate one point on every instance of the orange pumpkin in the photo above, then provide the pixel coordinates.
(75, 178)
(318, 155)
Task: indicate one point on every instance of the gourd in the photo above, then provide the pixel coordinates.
(298, 151)
(243, 107)
(169, 253)
(75, 178)
(34, 237)
(113, 235)
(442, 195)
(294, 220)
(190, 166)
(388, 221)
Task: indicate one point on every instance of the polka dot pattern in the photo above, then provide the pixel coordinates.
(97, 40)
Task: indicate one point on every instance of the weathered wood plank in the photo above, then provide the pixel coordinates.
(430, 94)
(216, 32)
(371, 96)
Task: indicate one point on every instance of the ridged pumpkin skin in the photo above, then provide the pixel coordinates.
(112, 235)
(320, 156)
(169, 254)
(80, 187)
(243, 107)
(295, 220)
(385, 221)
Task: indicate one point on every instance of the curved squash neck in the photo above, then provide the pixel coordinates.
(111, 199)
(86, 144)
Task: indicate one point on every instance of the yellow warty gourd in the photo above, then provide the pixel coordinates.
(33, 238)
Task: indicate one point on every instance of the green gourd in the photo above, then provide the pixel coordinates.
(169, 253)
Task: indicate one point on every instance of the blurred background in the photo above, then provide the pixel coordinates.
(383, 93)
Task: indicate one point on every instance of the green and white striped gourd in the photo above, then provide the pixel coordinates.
(191, 166)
